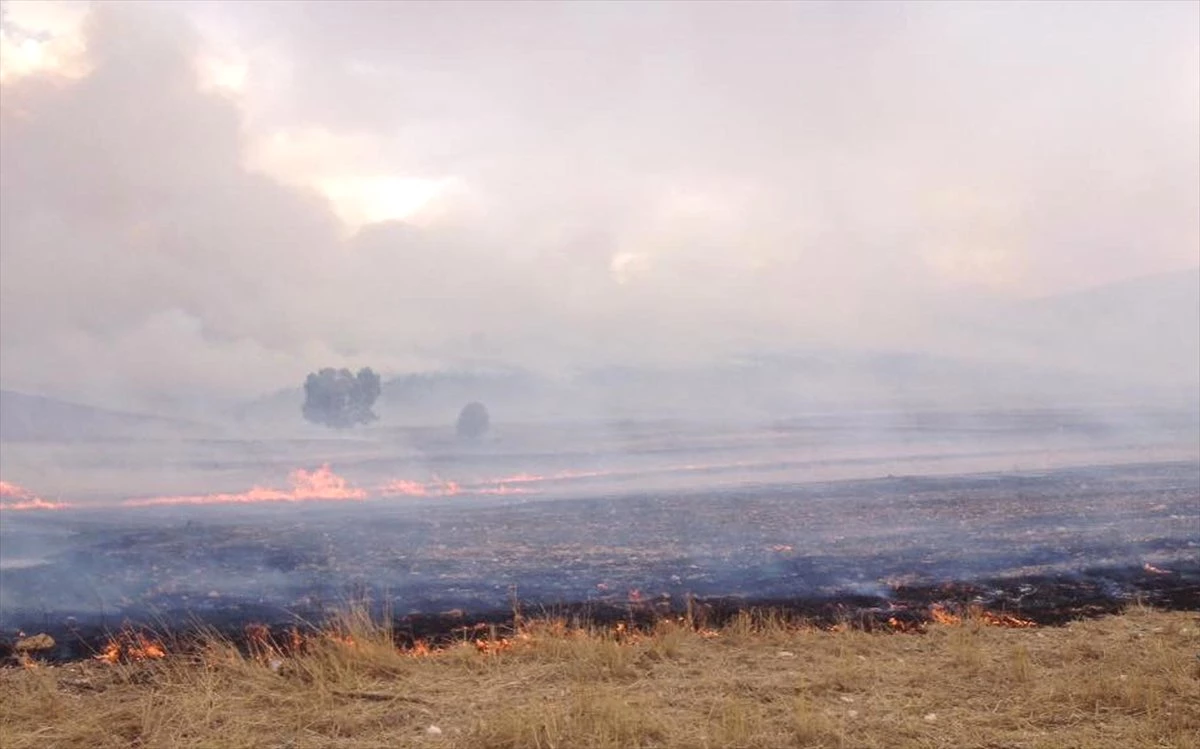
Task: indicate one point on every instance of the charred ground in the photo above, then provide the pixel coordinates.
(1049, 546)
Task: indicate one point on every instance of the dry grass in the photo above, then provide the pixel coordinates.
(1125, 681)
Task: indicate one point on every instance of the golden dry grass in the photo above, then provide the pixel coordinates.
(1125, 681)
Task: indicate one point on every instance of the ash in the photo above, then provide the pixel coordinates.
(1059, 539)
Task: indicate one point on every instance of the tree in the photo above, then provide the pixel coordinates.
(473, 421)
(340, 399)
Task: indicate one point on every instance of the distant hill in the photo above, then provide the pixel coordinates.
(1128, 343)
(1142, 333)
(34, 417)
(755, 388)
(414, 398)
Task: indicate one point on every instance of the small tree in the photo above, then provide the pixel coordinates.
(339, 398)
(473, 421)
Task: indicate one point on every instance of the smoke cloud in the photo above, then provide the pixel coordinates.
(208, 200)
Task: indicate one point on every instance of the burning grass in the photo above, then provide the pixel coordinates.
(967, 679)
(18, 498)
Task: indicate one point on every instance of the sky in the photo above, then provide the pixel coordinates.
(216, 198)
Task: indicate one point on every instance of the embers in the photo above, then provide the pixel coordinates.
(953, 615)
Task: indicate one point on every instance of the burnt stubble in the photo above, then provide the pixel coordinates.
(1048, 546)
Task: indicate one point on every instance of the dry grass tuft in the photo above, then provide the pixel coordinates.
(760, 683)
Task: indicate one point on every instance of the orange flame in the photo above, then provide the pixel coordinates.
(493, 647)
(442, 488)
(319, 485)
(942, 615)
(13, 497)
(1006, 620)
(521, 478)
(502, 490)
(323, 484)
(513, 484)
(900, 625)
(131, 646)
(434, 488)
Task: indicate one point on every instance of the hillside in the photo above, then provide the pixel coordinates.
(33, 417)
(1133, 343)
(1143, 333)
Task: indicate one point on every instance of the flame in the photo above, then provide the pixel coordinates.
(942, 615)
(502, 490)
(322, 484)
(521, 478)
(900, 625)
(258, 638)
(626, 634)
(131, 646)
(263, 645)
(534, 478)
(505, 482)
(442, 488)
(512, 484)
(1006, 620)
(434, 488)
(14, 497)
(493, 647)
(111, 653)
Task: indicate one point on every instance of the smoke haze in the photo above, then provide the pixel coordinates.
(205, 201)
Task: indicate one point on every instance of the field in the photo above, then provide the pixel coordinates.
(1131, 680)
(1000, 583)
(1048, 545)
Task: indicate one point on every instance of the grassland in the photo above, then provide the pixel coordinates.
(1125, 681)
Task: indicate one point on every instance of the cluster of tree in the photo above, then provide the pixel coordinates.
(339, 398)
(473, 421)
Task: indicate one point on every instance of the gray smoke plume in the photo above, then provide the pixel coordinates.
(249, 191)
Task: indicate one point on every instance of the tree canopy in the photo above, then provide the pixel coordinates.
(341, 399)
(473, 421)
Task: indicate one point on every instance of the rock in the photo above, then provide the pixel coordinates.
(930, 717)
(786, 654)
(34, 643)
(433, 731)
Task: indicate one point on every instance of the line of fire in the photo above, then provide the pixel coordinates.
(275, 567)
